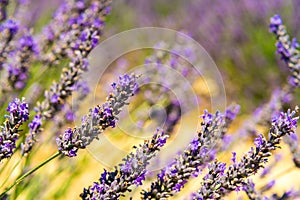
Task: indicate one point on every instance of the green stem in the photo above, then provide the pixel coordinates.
(20, 179)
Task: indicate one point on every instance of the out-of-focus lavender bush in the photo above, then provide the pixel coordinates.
(233, 33)
(74, 128)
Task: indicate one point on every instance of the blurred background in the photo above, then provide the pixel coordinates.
(235, 35)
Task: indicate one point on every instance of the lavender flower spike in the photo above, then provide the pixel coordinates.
(221, 183)
(132, 171)
(198, 153)
(8, 30)
(289, 50)
(9, 134)
(59, 92)
(99, 118)
(18, 70)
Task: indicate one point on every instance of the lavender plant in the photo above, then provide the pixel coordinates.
(80, 48)
(287, 49)
(31, 60)
(114, 184)
(99, 118)
(18, 114)
(282, 96)
(218, 182)
(195, 157)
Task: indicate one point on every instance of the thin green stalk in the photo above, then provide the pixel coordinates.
(20, 179)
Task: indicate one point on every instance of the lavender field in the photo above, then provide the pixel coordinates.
(161, 99)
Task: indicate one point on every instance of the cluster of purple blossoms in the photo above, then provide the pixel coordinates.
(113, 185)
(92, 21)
(216, 185)
(23, 55)
(76, 25)
(8, 30)
(281, 97)
(99, 118)
(201, 151)
(18, 48)
(289, 50)
(18, 114)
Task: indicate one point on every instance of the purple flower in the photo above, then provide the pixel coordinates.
(231, 112)
(17, 68)
(195, 144)
(27, 42)
(207, 117)
(10, 25)
(258, 142)
(287, 49)
(35, 123)
(49, 33)
(99, 118)
(54, 98)
(162, 141)
(13, 106)
(76, 26)
(20, 108)
(84, 35)
(108, 10)
(9, 134)
(113, 184)
(67, 45)
(138, 181)
(180, 185)
(275, 22)
(95, 40)
(211, 180)
(251, 162)
(192, 160)
(80, 5)
(233, 159)
(98, 23)
(70, 116)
